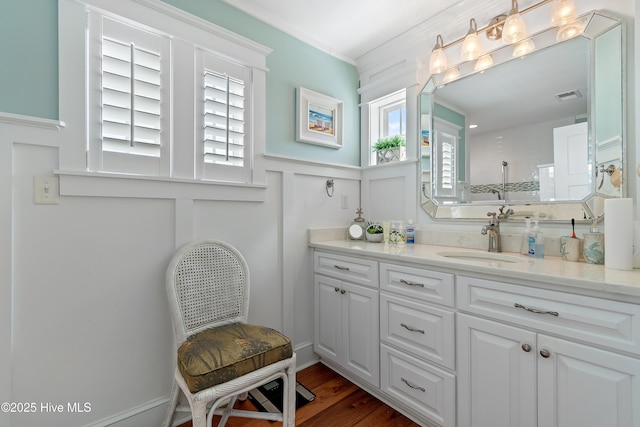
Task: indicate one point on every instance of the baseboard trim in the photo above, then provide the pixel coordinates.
(305, 356)
(130, 413)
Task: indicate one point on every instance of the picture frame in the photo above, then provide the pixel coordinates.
(319, 119)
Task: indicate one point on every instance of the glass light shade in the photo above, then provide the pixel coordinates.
(471, 48)
(523, 47)
(451, 75)
(514, 28)
(562, 12)
(483, 62)
(569, 30)
(437, 62)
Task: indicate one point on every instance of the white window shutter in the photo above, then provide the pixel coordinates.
(225, 149)
(134, 98)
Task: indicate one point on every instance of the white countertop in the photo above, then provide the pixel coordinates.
(551, 270)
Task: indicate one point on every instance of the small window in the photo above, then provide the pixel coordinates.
(226, 124)
(129, 93)
(150, 90)
(388, 117)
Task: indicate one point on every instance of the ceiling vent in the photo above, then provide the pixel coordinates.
(566, 96)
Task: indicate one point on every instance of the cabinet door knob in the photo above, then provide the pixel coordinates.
(342, 291)
(526, 347)
(545, 353)
(336, 289)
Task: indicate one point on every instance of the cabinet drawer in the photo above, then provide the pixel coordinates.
(417, 283)
(592, 320)
(424, 331)
(423, 388)
(355, 270)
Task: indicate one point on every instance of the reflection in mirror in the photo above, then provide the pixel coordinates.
(542, 132)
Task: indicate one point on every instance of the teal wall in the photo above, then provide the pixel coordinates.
(29, 72)
(29, 57)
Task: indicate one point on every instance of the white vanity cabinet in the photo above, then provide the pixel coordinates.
(417, 325)
(512, 372)
(346, 314)
(456, 344)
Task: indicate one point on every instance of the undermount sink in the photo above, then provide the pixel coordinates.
(479, 256)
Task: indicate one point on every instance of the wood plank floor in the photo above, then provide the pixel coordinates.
(338, 403)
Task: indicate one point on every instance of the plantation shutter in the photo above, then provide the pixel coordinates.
(130, 99)
(446, 142)
(134, 101)
(225, 138)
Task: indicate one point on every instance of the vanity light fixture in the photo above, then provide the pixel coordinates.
(471, 48)
(438, 60)
(523, 47)
(563, 12)
(569, 30)
(484, 62)
(511, 28)
(451, 74)
(514, 27)
(494, 29)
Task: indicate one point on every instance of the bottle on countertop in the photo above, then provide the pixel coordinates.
(524, 247)
(537, 238)
(410, 234)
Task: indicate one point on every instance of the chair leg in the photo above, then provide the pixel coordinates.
(198, 413)
(173, 404)
(289, 398)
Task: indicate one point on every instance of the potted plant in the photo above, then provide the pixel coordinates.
(390, 149)
(374, 232)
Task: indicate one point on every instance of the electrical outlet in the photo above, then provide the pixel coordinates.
(46, 190)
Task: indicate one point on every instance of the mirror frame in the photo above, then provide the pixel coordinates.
(584, 210)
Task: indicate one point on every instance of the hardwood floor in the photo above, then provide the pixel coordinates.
(338, 403)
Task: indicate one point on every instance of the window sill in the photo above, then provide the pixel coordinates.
(99, 184)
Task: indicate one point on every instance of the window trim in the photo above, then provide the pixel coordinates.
(163, 18)
(377, 123)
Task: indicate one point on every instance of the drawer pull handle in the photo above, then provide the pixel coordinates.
(533, 310)
(339, 267)
(408, 283)
(409, 328)
(413, 386)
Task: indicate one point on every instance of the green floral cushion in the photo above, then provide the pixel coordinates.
(221, 354)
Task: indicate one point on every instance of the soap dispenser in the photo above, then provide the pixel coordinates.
(524, 247)
(593, 249)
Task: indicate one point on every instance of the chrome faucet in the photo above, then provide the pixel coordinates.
(493, 230)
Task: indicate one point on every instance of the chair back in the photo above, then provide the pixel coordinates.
(207, 286)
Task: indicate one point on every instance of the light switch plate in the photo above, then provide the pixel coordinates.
(46, 190)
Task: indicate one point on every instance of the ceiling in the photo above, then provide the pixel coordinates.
(346, 29)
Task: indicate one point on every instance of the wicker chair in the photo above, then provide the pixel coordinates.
(220, 356)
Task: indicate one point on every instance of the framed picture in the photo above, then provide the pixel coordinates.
(318, 119)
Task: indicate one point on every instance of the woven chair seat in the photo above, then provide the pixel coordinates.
(221, 354)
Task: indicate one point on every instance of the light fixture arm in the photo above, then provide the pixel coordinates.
(486, 27)
(514, 7)
(473, 27)
(439, 43)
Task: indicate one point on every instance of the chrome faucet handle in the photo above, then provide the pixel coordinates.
(492, 214)
(504, 215)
